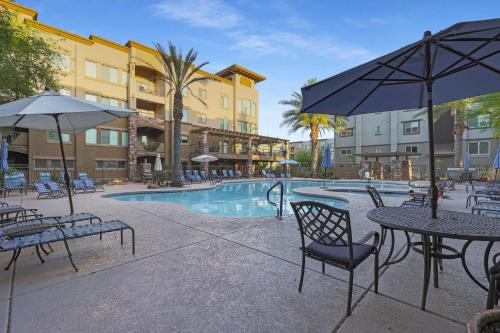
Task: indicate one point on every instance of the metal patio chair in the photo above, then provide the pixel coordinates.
(330, 231)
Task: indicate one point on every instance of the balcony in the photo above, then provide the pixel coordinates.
(150, 148)
(150, 118)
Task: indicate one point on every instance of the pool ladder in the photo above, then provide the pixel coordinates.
(279, 209)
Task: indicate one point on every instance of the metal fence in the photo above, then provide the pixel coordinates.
(100, 175)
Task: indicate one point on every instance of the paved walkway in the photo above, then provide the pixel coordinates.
(196, 273)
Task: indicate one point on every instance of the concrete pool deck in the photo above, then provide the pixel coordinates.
(196, 273)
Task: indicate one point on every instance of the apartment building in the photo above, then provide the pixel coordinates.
(385, 136)
(297, 146)
(129, 76)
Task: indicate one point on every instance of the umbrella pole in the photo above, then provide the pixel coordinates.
(66, 175)
(430, 121)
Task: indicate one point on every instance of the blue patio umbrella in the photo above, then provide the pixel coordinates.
(496, 163)
(4, 154)
(466, 161)
(327, 162)
(458, 62)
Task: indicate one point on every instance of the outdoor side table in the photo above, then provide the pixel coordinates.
(448, 224)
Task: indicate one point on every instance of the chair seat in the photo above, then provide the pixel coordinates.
(340, 254)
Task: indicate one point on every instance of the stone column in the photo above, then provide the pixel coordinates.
(204, 150)
(132, 126)
(249, 157)
(378, 169)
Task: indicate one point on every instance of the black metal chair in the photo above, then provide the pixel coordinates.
(330, 230)
(494, 277)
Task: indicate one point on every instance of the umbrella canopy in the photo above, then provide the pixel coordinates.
(74, 115)
(290, 162)
(52, 111)
(496, 161)
(458, 62)
(466, 161)
(158, 166)
(204, 158)
(327, 162)
(4, 154)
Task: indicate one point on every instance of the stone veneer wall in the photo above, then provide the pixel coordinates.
(132, 147)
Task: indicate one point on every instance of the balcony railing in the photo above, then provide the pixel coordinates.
(151, 146)
(148, 88)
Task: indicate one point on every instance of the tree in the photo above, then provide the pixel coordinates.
(465, 110)
(179, 76)
(26, 60)
(316, 124)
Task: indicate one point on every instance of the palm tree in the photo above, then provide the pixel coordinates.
(316, 124)
(179, 76)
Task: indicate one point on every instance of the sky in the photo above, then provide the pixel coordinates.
(288, 41)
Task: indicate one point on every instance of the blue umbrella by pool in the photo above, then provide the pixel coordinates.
(496, 163)
(466, 161)
(4, 154)
(327, 162)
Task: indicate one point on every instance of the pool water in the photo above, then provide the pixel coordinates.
(245, 199)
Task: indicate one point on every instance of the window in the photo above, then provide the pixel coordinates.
(124, 138)
(65, 92)
(90, 97)
(91, 136)
(90, 69)
(411, 149)
(145, 87)
(244, 106)
(225, 147)
(109, 137)
(479, 148)
(202, 93)
(63, 62)
(378, 131)
(224, 102)
(347, 132)
(202, 118)
(109, 101)
(253, 109)
(242, 126)
(481, 121)
(110, 164)
(185, 115)
(253, 128)
(224, 124)
(378, 149)
(344, 152)
(109, 74)
(124, 78)
(52, 136)
(411, 127)
(43, 163)
(184, 138)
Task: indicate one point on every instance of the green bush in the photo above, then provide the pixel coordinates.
(159, 177)
(55, 177)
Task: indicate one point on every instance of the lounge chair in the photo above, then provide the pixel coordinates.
(215, 177)
(238, 174)
(282, 175)
(50, 192)
(83, 175)
(91, 186)
(183, 179)
(224, 173)
(44, 177)
(78, 185)
(12, 213)
(55, 188)
(37, 232)
(250, 173)
(203, 175)
(12, 183)
(196, 175)
(288, 175)
(231, 173)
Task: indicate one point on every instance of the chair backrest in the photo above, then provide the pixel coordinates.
(40, 187)
(83, 175)
(250, 173)
(78, 183)
(224, 173)
(44, 177)
(323, 224)
(53, 186)
(195, 172)
(231, 173)
(264, 173)
(238, 173)
(203, 174)
(11, 181)
(377, 199)
(89, 183)
(183, 179)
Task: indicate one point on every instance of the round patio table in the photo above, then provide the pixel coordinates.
(448, 224)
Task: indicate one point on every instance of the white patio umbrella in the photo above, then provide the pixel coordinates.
(204, 158)
(52, 111)
(158, 166)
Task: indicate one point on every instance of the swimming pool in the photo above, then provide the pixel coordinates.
(245, 199)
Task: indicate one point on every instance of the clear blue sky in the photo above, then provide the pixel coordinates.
(288, 41)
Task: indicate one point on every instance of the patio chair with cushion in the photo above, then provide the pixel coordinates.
(78, 186)
(12, 183)
(198, 177)
(224, 173)
(250, 173)
(330, 231)
(203, 175)
(215, 177)
(183, 179)
(231, 173)
(238, 174)
(55, 189)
